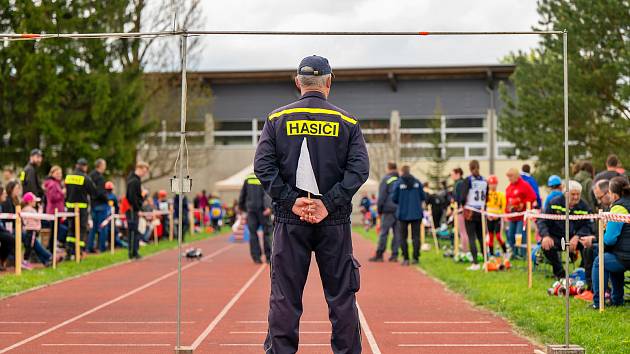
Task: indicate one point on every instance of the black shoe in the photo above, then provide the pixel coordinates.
(258, 261)
(137, 257)
(415, 261)
(405, 263)
(376, 258)
(393, 259)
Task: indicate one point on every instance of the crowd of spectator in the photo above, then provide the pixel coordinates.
(402, 201)
(94, 196)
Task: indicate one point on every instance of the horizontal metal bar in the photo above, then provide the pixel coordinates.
(36, 36)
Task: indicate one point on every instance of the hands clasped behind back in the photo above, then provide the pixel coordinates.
(310, 210)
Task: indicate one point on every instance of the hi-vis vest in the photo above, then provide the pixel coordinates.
(71, 181)
(252, 179)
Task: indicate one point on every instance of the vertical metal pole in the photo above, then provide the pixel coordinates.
(566, 173)
(182, 134)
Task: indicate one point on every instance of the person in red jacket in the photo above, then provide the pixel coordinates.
(517, 194)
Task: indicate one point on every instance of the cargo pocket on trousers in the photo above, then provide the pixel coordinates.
(355, 276)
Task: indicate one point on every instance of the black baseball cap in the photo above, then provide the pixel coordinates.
(314, 65)
(82, 162)
(36, 152)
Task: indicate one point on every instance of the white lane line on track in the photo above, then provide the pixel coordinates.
(110, 302)
(122, 332)
(227, 308)
(301, 322)
(368, 333)
(138, 322)
(10, 332)
(265, 332)
(105, 345)
(480, 332)
(463, 345)
(18, 322)
(437, 322)
(260, 345)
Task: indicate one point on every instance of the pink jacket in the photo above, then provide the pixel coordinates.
(54, 196)
(31, 224)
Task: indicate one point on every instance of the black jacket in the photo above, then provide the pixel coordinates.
(30, 181)
(253, 197)
(100, 197)
(555, 228)
(385, 204)
(337, 150)
(134, 192)
(79, 189)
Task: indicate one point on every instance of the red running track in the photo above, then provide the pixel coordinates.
(131, 308)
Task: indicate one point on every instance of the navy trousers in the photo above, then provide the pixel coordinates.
(254, 221)
(339, 272)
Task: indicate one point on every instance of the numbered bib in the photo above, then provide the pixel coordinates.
(477, 194)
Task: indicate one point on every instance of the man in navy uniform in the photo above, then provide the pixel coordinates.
(257, 205)
(339, 166)
(387, 210)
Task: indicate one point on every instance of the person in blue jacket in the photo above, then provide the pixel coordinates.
(409, 196)
(527, 177)
(555, 185)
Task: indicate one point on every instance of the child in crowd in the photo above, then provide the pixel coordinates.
(32, 226)
(495, 205)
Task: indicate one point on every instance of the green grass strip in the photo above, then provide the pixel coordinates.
(11, 284)
(534, 313)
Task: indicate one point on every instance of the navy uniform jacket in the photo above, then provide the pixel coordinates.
(385, 204)
(409, 195)
(253, 197)
(338, 155)
(555, 228)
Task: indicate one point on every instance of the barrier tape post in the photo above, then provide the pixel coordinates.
(205, 211)
(171, 225)
(54, 240)
(155, 230)
(18, 240)
(600, 254)
(529, 247)
(433, 231)
(455, 229)
(191, 217)
(112, 230)
(77, 235)
(422, 234)
(484, 232)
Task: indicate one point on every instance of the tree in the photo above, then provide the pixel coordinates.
(438, 155)
(66, 96)
(599, 91)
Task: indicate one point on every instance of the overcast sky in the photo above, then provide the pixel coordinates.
(247, 53)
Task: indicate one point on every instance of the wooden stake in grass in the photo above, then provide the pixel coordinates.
(191, 217)
(433, 231)
(18, 240)
(455, 229)
(528, 234)
(77, 235)
(54, 240)
(484, 232)
(155, 230)
(171, 224)
(112, 230)
(600, 254)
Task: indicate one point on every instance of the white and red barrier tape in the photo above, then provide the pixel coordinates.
(535, 214)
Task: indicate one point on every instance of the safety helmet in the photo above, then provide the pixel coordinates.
(109, 185)
(493, 179)
(162, 193)
(554, 181)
